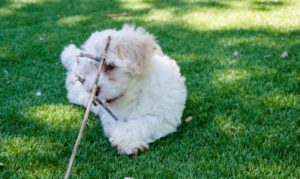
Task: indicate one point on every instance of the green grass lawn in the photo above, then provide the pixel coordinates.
(245, 107)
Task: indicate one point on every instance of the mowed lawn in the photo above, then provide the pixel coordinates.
(241, 60)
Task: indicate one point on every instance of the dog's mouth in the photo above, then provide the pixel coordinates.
(112, 100)
(108, 101)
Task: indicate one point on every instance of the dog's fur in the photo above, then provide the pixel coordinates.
(145, 89)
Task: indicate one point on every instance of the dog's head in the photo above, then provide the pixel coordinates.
(128, 59)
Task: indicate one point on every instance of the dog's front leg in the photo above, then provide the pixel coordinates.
(78, 94)
(134, 136)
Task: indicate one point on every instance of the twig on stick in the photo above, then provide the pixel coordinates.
(97, 101)
(98, 59)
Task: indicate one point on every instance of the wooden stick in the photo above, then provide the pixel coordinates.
(86, 115)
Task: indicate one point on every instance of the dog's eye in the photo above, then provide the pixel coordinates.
(109, 67)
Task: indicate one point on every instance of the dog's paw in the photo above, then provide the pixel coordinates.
(132, 148)
(126, 144)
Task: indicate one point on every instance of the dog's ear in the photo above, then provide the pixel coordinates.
(69, 56)
(136, 45)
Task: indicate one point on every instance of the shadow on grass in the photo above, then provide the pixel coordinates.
(267, 5)
(184, 5)
(3, 3)
(232, 120)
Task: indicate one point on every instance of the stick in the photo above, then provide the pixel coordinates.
(83, 125)
(86, 115)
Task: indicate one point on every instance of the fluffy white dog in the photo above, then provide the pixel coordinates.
(139, 84)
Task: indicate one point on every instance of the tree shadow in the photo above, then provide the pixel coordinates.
(267, 5)
(188, 4)
(3, 3)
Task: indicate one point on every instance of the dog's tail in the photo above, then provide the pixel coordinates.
(69, 56)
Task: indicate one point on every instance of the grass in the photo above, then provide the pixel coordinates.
(246, 109)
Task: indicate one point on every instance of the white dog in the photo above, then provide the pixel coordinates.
(139, 84)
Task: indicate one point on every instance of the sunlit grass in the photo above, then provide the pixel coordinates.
(14, 5)
(135, 5)
(276, 101)
(242, 19)
(213, 16)
(55, 115)
(72, 20)
(229, 126)
(231, 76)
